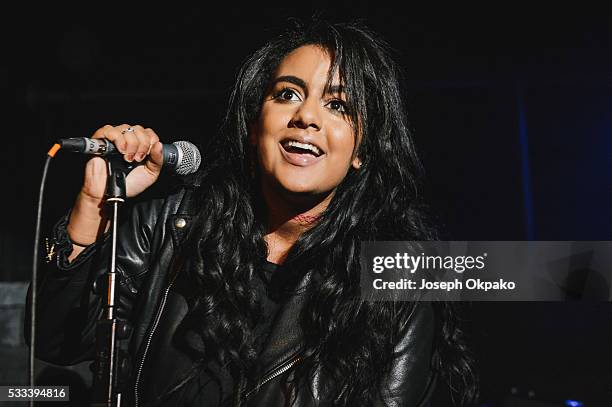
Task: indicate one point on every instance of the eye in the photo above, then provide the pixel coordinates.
(337, 105)
(287, 94)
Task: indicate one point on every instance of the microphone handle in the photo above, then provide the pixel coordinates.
(84, 145)
(102, 147)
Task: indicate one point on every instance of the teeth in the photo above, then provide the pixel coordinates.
(304, 146)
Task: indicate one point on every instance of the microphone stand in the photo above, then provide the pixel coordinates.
(111, 364)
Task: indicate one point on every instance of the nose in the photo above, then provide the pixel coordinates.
(307, 115)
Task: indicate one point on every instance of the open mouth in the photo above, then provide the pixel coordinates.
(296, 147)
(301, 153)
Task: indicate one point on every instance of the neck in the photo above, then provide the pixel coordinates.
(287, 219)
(290, 223)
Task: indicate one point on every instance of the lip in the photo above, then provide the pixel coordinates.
(300, 160)
(304, 139)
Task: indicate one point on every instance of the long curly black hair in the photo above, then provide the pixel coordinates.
(350, 338)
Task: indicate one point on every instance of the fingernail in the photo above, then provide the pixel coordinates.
(140, 156)
(129, 157)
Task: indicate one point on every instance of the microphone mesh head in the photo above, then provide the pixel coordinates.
(190, 158)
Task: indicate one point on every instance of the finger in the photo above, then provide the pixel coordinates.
(114, 134)
(128, 134)
(152, 139)
(156, 158)
(102, 130)
(143, 143)
(94, 183)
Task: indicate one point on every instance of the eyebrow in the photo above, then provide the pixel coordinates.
(291, 79)
(302, 84)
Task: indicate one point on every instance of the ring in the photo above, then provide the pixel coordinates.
(128, 130)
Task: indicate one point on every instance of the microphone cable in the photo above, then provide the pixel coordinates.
(33, 287)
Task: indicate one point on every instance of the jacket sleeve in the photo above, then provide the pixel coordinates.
(71, 295)
(411, 380)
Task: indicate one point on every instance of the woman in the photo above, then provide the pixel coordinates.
(242, 288)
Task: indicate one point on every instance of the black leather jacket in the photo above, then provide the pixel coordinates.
(70, 302)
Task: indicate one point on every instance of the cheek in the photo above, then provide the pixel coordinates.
(264, 154)
(263, 136)
(343, 141)
(273, 118)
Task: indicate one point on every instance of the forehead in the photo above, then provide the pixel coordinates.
(310, 63)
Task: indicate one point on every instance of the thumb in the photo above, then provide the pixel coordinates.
(156, 158)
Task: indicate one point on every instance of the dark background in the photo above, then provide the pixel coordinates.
(511, 116)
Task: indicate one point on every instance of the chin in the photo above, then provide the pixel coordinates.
(302, 189)
(305, 188)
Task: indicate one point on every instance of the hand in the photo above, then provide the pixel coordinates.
(136, 144)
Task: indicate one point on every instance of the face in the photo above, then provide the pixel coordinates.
(304, 138)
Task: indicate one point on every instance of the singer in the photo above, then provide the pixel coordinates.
(242, 286)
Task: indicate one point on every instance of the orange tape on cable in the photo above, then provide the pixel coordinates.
(53, 150)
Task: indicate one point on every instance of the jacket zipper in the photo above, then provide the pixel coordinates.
(149, 339)
(273, 375)
(248, 394)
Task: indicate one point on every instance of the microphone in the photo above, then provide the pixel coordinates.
(181, 157)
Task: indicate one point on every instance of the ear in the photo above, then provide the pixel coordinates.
(356, 163)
